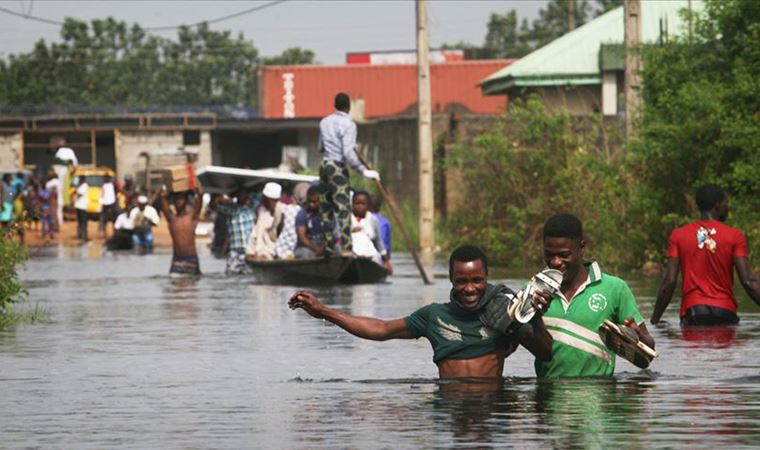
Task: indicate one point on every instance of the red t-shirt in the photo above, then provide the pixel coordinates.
(707, 249)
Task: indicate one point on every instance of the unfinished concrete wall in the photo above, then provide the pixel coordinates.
(130, 143)
(11, 149)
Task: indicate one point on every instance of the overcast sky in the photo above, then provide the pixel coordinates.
(330, 28)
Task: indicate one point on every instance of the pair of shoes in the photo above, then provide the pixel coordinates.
(625, 342)
(548, 280)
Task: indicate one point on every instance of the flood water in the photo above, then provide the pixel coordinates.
(131, 358)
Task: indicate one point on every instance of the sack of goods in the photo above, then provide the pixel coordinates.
(624, 341)
(548, 280)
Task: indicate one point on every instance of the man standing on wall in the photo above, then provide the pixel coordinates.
(337, 142)
(707, 251)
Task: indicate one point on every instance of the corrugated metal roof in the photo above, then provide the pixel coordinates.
(574, 57)
(386, 90)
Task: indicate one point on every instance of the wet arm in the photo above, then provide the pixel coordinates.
(666, 289)
(165, 206)
(748, 278)
(198, 203)
(536, 338)
(363, 327)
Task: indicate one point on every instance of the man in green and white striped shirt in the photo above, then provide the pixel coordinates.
(588, 298)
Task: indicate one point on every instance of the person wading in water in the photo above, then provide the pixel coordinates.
(463, 346)
(182, 230)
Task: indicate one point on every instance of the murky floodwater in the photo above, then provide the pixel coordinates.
(134, 359)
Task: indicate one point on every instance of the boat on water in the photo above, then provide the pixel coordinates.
(306, 271)
(319, 271)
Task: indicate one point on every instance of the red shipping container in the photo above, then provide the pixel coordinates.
(387, 90)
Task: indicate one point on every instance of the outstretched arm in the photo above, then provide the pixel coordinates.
(363, 327)
(666, 289)
(748, 278)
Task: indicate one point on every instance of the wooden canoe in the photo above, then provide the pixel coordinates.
(318, 271)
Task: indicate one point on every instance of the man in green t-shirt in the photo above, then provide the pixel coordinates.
(588, 297)
(462, 345)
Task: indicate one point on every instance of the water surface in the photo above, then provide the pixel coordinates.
(134, 359)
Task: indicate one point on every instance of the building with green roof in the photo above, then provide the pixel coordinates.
(582, 71)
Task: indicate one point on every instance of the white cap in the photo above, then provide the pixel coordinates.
(142, 199)
(272, 190)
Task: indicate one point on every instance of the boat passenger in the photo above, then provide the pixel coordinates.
(269, 215)
(288, 239)
(311, 242)
(386, 229)
(463, 346)
(240, 218)
(182, 226)
(365, 232)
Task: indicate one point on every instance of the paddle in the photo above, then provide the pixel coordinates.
(394, 212)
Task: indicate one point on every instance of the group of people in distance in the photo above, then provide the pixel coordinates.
(267, 225)
(563, 335)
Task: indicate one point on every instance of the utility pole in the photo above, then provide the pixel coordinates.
(570, 15)
(632, 22)
(425, 134)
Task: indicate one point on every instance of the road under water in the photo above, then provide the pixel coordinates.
(131, 358)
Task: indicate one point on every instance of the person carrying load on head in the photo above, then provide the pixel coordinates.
(337, 142)
(182, 223)
(240, 216)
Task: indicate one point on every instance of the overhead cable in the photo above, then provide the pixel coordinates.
(161, 28)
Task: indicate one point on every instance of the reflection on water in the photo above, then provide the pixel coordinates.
(134, 358)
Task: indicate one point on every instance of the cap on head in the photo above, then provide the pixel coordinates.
(142, 200)
(272, 190)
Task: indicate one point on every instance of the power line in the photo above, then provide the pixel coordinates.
(161, 28)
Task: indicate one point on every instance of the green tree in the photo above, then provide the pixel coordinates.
(504, 39)
(552, 21)
(291, 56)
(700, 122)
(12, 255)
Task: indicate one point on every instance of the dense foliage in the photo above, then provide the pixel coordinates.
(11, 256)
(535, 164)
(701, 123)
(108, 62)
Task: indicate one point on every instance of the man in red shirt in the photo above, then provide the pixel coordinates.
(707, 251)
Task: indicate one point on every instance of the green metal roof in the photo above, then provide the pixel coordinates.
(574, 58)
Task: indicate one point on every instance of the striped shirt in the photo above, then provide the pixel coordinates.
(337, 140)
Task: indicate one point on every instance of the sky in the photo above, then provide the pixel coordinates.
(330, 28)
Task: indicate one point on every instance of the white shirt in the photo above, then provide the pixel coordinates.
(66, 154)
(149, 213)
(82, 198)
(123, 222)
(53, 183)
(107, 194)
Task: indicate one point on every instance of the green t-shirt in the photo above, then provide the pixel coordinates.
(578, 351)
(453, 332)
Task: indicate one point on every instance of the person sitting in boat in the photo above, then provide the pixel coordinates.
(311, 243)
(365, 232)
(386, 229)
(240, 217)
(464, 346)
(269, 215)
(288, 238)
